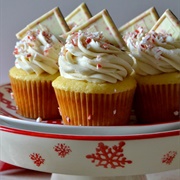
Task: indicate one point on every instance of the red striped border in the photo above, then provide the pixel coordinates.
(90, 137)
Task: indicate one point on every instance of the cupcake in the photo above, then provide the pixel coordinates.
(94, 87)
(157, 71)
(35, 69)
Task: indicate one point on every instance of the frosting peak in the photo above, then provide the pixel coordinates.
(90, 57)
(38, 52)
(155, 53)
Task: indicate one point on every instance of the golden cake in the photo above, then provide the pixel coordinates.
(94, 87)
(31, 77)
(157, 70)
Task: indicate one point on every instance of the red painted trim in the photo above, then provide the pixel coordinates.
(91, 138)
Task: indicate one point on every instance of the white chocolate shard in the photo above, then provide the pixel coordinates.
(101, 22)
(168, 23)
(52, 20)
(147, 19)
(77, 17)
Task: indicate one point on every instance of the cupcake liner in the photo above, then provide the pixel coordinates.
(95, 109)
(157, 103)
(35, 98)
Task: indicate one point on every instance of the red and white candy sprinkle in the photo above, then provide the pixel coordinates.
(114, 112)
(98, 66)
(39, 119)
(12, 95)
(176, 113)
(68, 119)
(89, 117)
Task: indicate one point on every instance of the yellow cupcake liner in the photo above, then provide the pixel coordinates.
(83, 109)
(157, 103)
(35, 98)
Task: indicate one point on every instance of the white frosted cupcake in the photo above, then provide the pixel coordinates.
(31, 77)
(95, 87)
(157, 71)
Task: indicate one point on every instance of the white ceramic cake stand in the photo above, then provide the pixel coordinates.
(78, 153)
(71, 177)
(72, 157)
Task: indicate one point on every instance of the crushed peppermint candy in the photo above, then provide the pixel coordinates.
(98, 66)
(73, 41)
(157, 53)
(31, 37)
(47, 36)
(12, 95)
(176, 113)
(89, 117)
(88, 40)
(28, 55)
(114, 112)
(46, 51)
(98, 58)
(104, 46)
(15, 52)
(68, 119)
(39, 119)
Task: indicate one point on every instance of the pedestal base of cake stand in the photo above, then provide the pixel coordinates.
(72, 177)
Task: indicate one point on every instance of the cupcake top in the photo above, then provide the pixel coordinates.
(155, 53)
(38, 52)
(90, 57)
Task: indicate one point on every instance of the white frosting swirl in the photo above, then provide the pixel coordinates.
(88, 56)
(38, 52)
(155, 53)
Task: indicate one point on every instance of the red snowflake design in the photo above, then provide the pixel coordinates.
(62, 150)
(7, 102)
(112, 157)
(168, 158)
(5, 113)
(8, 89)
(37, 159)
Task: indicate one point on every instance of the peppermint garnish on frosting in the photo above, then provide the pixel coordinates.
(89, 56)
(38, 52)
(146, 19)
(155, 53)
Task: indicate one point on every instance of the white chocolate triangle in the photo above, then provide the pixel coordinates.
(101, 22)
(52, 20)
(168, 23)
(78, 16)
(146, 20)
